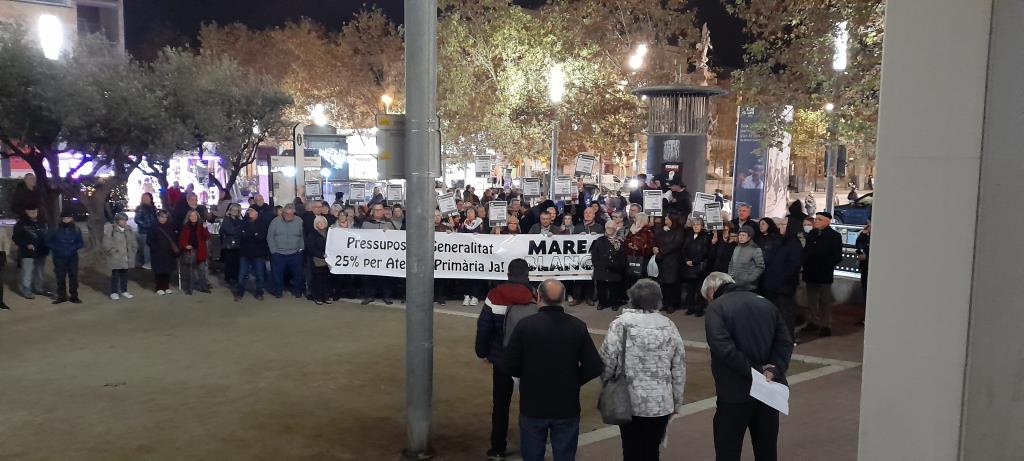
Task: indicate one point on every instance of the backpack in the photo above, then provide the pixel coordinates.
(513, 315)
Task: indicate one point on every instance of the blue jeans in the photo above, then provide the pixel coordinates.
(292, 264)
(32, 280)
(255, 266)
(533, 433)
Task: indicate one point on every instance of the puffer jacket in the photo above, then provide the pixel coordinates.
(747, 265)
(120, 246)
(655, 361)
(65, 241)
(230, 233)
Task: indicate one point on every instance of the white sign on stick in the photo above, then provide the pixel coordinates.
(653, 202)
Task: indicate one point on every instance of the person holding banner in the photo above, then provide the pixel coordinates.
(316, 249)
(609, 257)
(668, 250)
(472, 289)
(376, 284)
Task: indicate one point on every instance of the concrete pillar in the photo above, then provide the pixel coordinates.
(944, 355)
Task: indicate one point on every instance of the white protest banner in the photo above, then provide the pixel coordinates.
(700, 201)
(357, 192)
(497, 213)
(395, 193)
(713, 216)
(531, 187)
(461, 256)
(446, 203)
(483, 166)
(653, 202)
(563, 187)
(585, 165)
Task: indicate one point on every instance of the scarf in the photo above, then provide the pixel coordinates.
(639, 223)
(474, 224)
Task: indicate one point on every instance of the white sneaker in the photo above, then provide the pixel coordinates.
(127, 295)
(115, 296)
(473, 301)
(147, 267)
(168, 291)
(161, 292)
(465, 301)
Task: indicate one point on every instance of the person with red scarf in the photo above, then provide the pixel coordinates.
(192, 242)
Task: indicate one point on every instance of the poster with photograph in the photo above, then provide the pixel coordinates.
(446, 203)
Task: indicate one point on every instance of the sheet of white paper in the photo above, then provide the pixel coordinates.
(773, 394)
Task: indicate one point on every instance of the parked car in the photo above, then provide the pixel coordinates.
(856, 213)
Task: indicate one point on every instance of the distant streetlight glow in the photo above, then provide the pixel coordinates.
(256, 129)
(325, 172)
(319, 114)
(636, 61)
(51, 36)
(841, 43)
(556, 84)
(829, 107)
(641, 50)
(387, 100)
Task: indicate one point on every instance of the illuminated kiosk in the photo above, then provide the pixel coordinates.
(677, 131)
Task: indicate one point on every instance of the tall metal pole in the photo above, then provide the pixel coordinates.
(423, 161)
(833, 145)
(554, 158)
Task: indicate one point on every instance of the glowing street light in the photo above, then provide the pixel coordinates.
(641, 50)
(288, 171)
(829, 107)
(387, 100)
(636, 62)
(841, 42)
(325, 172)
(319, 114)
(556, 84)
(51, 36)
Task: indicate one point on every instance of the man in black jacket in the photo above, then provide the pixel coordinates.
(553, 355)
(504, 304)
(637, 195)
(744, 332)
(30, 236)
(824, 249)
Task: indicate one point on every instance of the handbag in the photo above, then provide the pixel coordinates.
(614, 402)
(652, 268)
(635, 266)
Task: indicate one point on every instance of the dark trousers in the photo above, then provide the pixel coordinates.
(374, 285)
(319, 284)
(731, 423)
(692, 301)
(474, 288)
(287, 264)
(608, 294)
(583, 290)
(502, 398)
(533, 438)
(162, 281)
(440, 290)
(257, 267)
(231, 260)
(66, 270)
(641, 438)
(787, 307)
(671, 294)
(344, 286)
(118, 281)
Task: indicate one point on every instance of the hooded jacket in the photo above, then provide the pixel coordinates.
(655, 361)
(746, 265)
(490, 325)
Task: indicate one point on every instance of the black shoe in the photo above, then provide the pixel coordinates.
(699, 314)
(318, 302)
(278, 295)
(238, 298)
(388, 301)
(799, 320)
(259, 297)
(616, 308)
(811, 328)
(367, 301)
(825, 332)
(4, 306)
(75, 300)
(60, 300)
(495, 454)
(601, 308)
(689, 312)
(300, 296)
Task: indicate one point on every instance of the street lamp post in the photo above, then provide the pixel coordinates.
(840, 42)
(556, 91)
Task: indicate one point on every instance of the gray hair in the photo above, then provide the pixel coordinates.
(551, 291)
(645, 294)
(319, 219)
(713, 282)
(289, 207)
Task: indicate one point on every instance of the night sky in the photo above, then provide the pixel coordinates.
(153, 24)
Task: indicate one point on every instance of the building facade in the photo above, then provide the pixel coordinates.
(66, 20)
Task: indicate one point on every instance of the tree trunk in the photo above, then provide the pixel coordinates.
(96, 205)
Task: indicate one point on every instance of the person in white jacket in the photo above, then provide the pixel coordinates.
(654, 363)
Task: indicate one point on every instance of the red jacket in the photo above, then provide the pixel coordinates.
(202, 236)
(640, 243)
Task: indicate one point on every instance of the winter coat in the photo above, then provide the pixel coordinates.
(640, 243)
(285, 237)
(744, 331)
(655, 361)
(538, 229)
(824, 249)
(592, 228)
(769, 245)
(230, 233)
(697, 250)
(678, 202)
(181, 211)
(65, 241)
(28, 232)
(374, 224)
(145, 218)
(202, 235)
(163, 246)
(316, 245)
(782, 270)
(722, 255)
(25, 198)
(747, 265)
(120, 246)
(609, 262)
(253, 243)
(490, 325)
(864, 245)
(670, 255)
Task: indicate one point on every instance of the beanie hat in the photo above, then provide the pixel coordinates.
(747, 230)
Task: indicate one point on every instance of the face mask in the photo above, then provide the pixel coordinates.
(807, 229)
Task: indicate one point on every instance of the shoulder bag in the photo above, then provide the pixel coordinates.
(614, 402)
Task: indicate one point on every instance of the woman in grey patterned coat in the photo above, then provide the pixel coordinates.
(654, 364)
